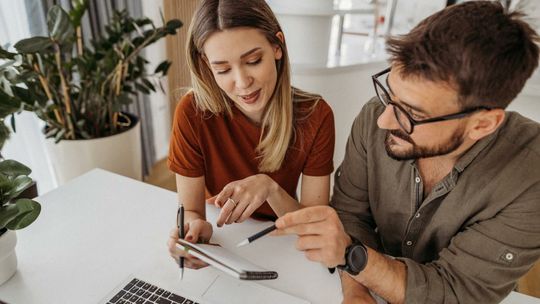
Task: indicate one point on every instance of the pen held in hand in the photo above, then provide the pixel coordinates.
(257, 235)
(180, 222)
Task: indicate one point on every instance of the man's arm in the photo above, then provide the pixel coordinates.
(354, 292)
(481, 264)
(323, 239)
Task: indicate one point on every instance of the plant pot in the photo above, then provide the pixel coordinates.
(8, 259)
(120, 153)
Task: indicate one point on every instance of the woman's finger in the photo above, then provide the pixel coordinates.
(226, 211)
(250, 209)
(237, 212)
(222, 196)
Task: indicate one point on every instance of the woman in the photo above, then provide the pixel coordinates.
(243, 136)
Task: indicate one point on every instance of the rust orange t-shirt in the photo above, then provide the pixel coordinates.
(223, 148)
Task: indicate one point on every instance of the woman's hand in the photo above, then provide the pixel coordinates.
(239, 199)
(197, 231)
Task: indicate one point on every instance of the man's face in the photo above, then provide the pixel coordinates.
(422, 99)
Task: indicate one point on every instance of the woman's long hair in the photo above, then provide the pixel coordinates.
(278, 118)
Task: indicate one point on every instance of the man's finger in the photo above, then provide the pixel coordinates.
(304, 215)
(316, 228)
(314, 255)
(309, 242)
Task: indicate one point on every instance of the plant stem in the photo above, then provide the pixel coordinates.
(65, 91)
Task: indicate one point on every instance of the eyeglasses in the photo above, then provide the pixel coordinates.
(405, 120)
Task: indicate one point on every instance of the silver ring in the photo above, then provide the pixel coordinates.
(230, 199)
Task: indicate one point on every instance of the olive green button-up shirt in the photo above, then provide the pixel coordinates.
(473, 236)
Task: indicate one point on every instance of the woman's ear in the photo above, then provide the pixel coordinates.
(278, 52)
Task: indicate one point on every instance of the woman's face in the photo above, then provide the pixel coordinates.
(243, 63)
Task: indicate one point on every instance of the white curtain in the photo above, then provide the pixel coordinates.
(27, 144)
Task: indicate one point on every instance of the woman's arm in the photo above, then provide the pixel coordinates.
(315, 190)
(191, 192)
(248, 194)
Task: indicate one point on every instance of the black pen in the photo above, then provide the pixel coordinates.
(257, 235)
(180, 223)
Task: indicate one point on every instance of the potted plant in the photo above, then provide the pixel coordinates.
(15, 213)
(78, 90)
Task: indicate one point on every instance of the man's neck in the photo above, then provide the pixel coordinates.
(434, 169)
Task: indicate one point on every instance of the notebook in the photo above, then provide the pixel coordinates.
(227, 261)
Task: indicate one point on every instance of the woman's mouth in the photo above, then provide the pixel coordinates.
(250, 98)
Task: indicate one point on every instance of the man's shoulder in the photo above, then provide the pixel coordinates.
(521, 133)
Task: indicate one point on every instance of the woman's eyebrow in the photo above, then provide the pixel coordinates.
(253, 50)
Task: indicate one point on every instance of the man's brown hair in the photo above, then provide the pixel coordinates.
(485, 53)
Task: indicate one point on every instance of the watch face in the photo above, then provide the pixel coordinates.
(358, 258)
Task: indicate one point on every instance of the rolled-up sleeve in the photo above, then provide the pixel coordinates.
(482, 262)
(350, 197)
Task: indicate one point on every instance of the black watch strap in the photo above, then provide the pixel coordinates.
(355, 258)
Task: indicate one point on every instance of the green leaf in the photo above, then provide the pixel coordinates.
(79, 8)
(33, 45)
(58, 137)
(11, 167)
(142, 88)
(173, 24)
(60, 27)
(8, 105)
(18, 185)
(4, 54)
(148, 84)
(4, 134)
(163, 67)
(27, 212)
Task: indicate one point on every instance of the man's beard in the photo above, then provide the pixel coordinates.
(416, 151)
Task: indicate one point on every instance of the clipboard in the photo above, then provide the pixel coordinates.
(228, 262)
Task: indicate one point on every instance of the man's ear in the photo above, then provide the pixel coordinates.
(278, 52)
(485, 123)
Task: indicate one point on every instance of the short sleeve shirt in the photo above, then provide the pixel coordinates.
(222, 148)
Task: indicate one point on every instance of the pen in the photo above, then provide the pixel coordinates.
(180, 222)
(257, 235)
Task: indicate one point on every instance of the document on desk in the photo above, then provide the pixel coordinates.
(228, 262)
(226, 290)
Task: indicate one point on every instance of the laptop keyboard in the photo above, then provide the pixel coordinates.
(141, 292)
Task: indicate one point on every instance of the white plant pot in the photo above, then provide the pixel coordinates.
(307, 26)
(120, 153)
(8, 259)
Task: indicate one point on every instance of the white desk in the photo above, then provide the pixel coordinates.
(97, 230)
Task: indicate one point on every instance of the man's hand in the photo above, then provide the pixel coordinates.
(320, 234)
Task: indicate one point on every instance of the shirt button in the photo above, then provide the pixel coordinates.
(509, 256)
(417, 215)
(417, 179)
(409, 243)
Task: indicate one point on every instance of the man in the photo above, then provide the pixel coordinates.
(438, 197)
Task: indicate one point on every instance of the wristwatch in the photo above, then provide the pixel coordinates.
(356, 257)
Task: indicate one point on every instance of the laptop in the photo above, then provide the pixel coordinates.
(222, 290)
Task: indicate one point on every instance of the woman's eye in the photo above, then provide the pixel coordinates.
(221, 72)
(255, 62)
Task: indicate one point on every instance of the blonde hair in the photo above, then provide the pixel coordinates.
(279, 117)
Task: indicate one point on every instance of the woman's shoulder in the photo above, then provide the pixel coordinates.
(187, 105)
(312, 107)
